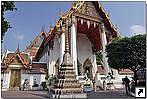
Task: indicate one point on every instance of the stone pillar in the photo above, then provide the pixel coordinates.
(104, 43)
(9, 76)
(74, 44)
(48, 59)
(62, 46)
(67, 83)
(95, 65)
(49, 63)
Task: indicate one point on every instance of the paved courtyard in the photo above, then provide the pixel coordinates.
(24, 95)
(43, 95)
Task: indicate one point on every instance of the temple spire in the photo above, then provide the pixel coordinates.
(43, 29)
(17, 50)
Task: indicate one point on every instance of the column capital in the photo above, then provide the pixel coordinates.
(103, 27)
(73, 19)
(63, 29)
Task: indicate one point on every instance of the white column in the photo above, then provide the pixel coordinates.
(48, 59)
(9, 75)
(50, 62)
(62, 47)
(74, 45)
(104, 43)
(95, 65)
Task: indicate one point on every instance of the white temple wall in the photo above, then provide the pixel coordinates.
(44, 57)
(84, 48)
(23, 77)
(31, 78)
(54, 55)
(5, 78)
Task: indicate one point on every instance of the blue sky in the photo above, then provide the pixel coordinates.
(30, 17)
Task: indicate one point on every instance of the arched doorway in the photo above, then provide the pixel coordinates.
(87, 66)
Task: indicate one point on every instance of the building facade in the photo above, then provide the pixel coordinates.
(19, 66)
(90, 29)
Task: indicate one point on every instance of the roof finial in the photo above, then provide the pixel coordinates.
(17, 50)
(108, 13)
(43, 29)
(60, 14)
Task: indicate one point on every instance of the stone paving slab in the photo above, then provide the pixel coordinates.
(109, 94)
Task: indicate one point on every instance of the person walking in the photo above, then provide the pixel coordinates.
(127, 86)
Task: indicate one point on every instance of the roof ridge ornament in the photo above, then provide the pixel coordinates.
(17, 50)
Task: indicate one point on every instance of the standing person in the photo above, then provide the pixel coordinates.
(94, 85)
(104, 85)
(127, 86)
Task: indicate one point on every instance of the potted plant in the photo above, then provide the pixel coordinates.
(43, 85)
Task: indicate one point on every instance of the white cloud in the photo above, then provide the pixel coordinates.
(137, 29)
(19, 36)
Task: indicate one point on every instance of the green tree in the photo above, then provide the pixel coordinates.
(5, 6)
(127, 53)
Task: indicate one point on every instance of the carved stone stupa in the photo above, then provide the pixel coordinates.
(67, 82)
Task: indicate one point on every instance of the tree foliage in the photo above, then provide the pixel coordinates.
(127, 53)
(5, 6)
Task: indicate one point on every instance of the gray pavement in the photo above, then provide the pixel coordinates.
(110, 94)
(24, 95)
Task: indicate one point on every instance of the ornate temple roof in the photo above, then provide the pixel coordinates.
(34, 68)
(35, 44)
(19, 56)
(73, 11)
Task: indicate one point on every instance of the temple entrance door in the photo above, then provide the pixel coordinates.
(88, 68)
(15, 78)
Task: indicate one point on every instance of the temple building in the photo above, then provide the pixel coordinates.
(17, 67)
(87, 28)
(90, 29)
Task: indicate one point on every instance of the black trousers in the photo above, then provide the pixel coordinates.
(127, 88)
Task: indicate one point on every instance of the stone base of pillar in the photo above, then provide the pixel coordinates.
(70, 96)
(67, 82)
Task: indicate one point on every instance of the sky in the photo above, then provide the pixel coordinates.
(30, 17)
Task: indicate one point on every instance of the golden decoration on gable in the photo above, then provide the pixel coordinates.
(88, 9)
(76, 4)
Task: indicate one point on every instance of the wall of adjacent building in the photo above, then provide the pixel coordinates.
(31, 78)
(50, 56)
(6, 79)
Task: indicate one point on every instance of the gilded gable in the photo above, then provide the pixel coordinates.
(16, 61)
(88, 9)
